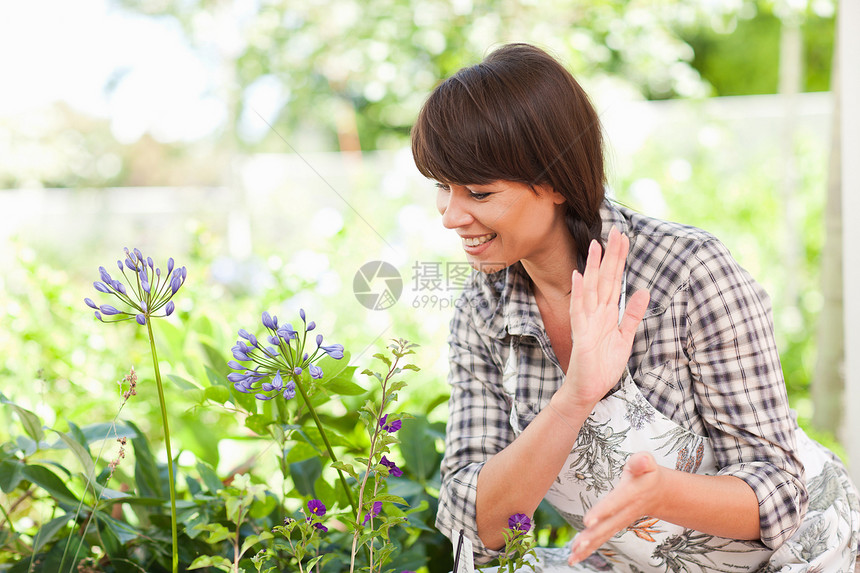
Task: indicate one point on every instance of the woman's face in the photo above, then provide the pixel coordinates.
(503, 222)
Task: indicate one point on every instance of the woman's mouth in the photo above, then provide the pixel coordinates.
(477, 241)
(476, 245)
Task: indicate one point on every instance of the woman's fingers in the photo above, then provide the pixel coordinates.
(620, 508)
(633, 314)
(590, 277)
(607, 280)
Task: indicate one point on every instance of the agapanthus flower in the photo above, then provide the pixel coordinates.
(393, 470)
(316, 507)
(146, 290)
(390, 428)
(520, 522)
(276, 368)
(374, 511)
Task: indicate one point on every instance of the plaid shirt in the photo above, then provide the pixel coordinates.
(704, 356)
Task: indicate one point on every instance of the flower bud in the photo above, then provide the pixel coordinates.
(267, 320)
(311, 326)
(316, 372)
(319, 339)
(101, 287)
(169, 265)
(138, 255)
(108, 309)
(141, 320)
(130, 264)
(99, 316)
(104, 274)
(90, 303)
(235, 365)
(119, 264)
(263, 397)
(297, 371)
(168, 310)
(290, 390)
(302, 314)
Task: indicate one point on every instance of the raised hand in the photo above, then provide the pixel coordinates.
(601, 346)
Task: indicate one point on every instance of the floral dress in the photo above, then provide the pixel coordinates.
(624, 423)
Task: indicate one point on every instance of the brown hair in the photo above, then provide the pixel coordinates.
(517, 116)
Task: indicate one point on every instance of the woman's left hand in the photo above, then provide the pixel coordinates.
(636, 495)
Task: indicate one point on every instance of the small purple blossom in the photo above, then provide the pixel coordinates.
(316, 507)
(374, 511)
(393, 470)
(334, 350)
(520, 522)
(141, 319)
(290, 390)
(390, 428)
(268, 322)
(316, 371)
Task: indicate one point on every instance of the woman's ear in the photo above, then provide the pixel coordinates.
(557, 197)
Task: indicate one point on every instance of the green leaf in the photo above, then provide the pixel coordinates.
(216, 561)
(181, 382)
(50, 482)
(215, 378)
(216, 362)
(252, 540)
(147, 476)
(217, 532)
(81, 453)
(418, 447)
(387, 497)
(218, 394)
(107, 431)
(257, 423)
(302, 451)
(305, 473)
(209, 477)
(10, 475)
(339, 465)
(344, 388)
(30, 421)
(48, 531)
(123, 531)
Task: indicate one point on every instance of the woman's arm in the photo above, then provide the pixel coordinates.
(516, 479)
(724, 506)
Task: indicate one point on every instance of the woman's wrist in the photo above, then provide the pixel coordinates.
(566, 404)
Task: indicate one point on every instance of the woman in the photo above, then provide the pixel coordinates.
(621, 367)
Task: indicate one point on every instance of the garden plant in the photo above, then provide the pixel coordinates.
(356, 481)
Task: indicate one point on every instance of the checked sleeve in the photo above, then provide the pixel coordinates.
(739, 388)
(477, 428)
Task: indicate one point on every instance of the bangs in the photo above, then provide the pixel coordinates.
(464, 135)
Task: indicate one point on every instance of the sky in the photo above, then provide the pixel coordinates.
(137, 71)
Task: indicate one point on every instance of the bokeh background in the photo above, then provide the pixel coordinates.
(264, 145)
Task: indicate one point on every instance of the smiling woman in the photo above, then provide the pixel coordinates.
(620, 367)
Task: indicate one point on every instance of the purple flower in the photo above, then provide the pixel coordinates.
(334, 350)
(316, 371)
(141, 320)
(90, 303)
(520, 522)
(101, 287)
(377, 507)
(316, 507)
(268, 322)
(287, 333)
(262, 397)
(321, 527)
(235, 365)
(311, 326)
(393, 470)
(390, 428)
(290, 390)
(302, 314)
(169, 308)
(104, 275)
(297, 370)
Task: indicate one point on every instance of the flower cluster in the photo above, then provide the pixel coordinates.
(148, 291)
(283, 357)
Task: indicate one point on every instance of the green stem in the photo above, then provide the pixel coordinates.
(325, 440)
(161, 401)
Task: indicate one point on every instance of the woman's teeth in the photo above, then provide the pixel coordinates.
(475, 241)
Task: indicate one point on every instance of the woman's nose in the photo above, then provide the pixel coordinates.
(454, 213)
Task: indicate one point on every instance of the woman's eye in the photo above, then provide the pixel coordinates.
(443, 187)
(478, 196)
